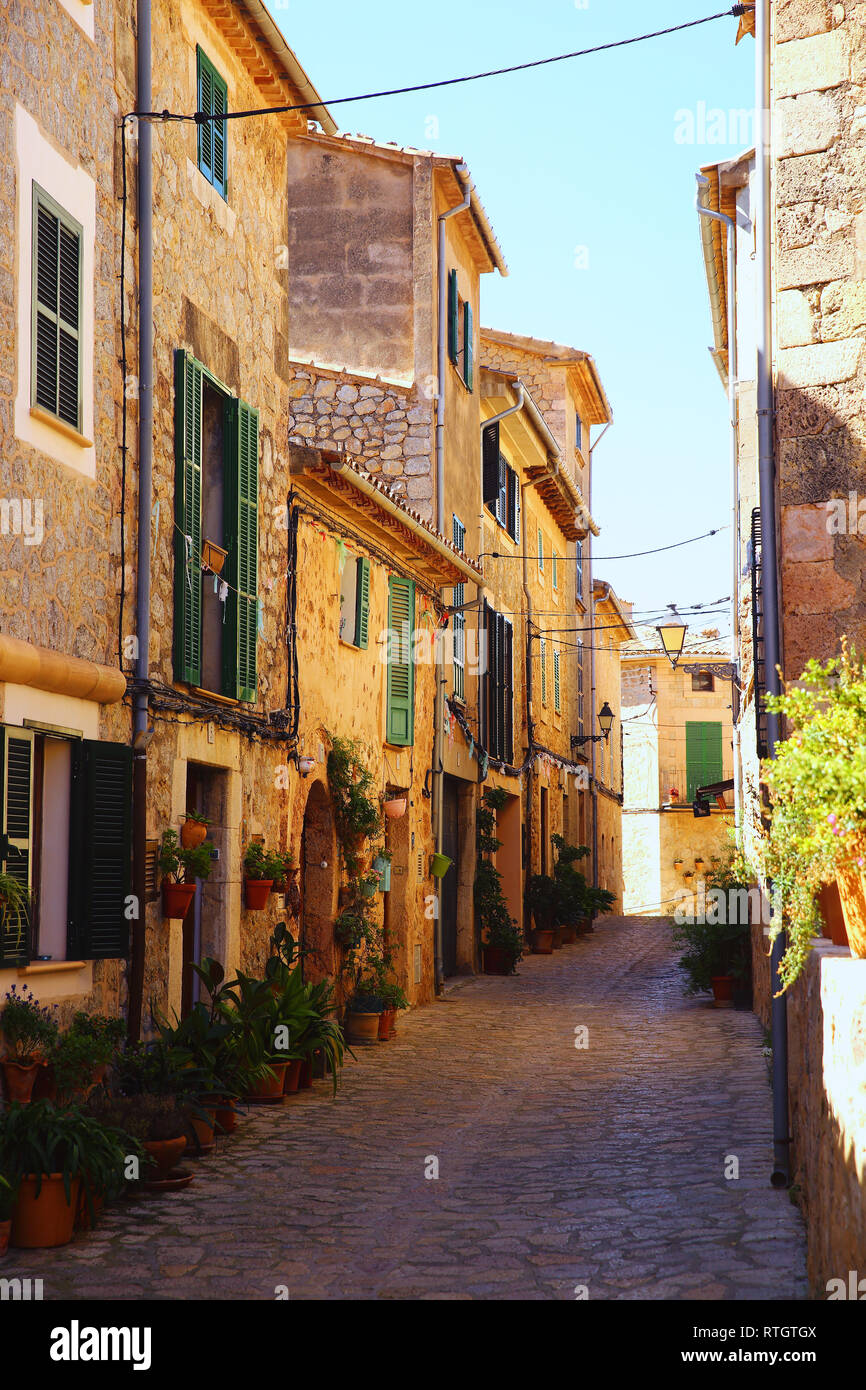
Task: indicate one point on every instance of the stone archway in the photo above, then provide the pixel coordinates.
(319, 879)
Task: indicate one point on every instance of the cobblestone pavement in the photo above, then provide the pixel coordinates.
(558, 1166)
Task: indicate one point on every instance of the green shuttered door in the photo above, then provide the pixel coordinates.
(703, 755)
(187, 508)
(242, 542)
(401, 671)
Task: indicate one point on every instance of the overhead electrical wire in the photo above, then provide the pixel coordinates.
(600, 559)
(201, 117)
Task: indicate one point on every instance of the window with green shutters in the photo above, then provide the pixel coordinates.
(468, 347)
(400, 717)
(543, 663)
(453, 318)
(95, 925)
(212, 135)
(557, 687)
(56, 277)
(239, 436)
(355, 601)
(458, 535)
(703, 755)
(460, 333)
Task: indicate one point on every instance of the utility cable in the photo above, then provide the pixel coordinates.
(601, 559)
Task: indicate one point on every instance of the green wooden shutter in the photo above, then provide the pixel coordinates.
(99, 850)
(490, 464)
(55, 378)
(468, 358)
(400, 719)
(362, 622)
(453, 313)
(543, 671)
(16, 834)
(703, 755)
(242, 543)
(212, 135)
(187, 508)
(557, 687)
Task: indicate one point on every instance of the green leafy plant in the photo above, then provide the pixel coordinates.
(197, 817)
(7, 1199)
(147, 1118)
(357, 813)
(542, 896)
(108, 1032)
(14, 904)
(29, 1028)
(714, 947)
(41, 1138)
(817, 786)
(176, 862)
(498, 928)
(73, 1058)
(573, 894)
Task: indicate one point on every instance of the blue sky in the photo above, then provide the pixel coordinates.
(592, 199)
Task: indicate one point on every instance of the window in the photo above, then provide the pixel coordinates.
(65, 835)
(500, 483)
(212, 135)
(578, 431)
(579, 569)
(543, 664)
(554, 570)
(400, 717)
(355, 601)
(580, 712)
(216, 500)
(458, 598)
(56, 310)
(497, 691)
(702, 680)
(703, 755)
(461, 334)
(540, 552)
(557, 687)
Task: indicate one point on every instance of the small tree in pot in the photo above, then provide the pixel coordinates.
(29, 1033)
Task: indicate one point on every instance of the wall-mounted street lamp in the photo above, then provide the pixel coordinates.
(606, 717)
(673, 636)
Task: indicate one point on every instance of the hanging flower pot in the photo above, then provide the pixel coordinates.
(256, 893)
(368, 888)
(439, 865)
(176, 898)
(305, 766)
(395, 807)
(383, 869)
(192, 833)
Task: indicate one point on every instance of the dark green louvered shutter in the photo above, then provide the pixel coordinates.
(508, 677)
(187, 510)
(362, 622)
(99, 850)
(703, 755)
(557, 687)
(212, 137)
(56, 310)
(490, 464)
(242, 543)
(400, 724)
(468, 341)
(453, 316)
(16, 835)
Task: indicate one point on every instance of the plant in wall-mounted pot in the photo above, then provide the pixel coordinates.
(194, 830)
(29, 1033)
(700, 865)
(284, 867)
(439, 865)
(258, 882)
(395, 807)
(678, 866)
(368, 886)
(177, 864)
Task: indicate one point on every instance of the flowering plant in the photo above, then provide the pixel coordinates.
(29, 1029)
(817, 785)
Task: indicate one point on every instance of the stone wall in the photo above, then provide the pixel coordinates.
(827, 1099)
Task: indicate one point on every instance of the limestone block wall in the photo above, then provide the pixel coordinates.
(820, 274)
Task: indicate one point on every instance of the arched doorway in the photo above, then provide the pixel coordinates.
(319, 879)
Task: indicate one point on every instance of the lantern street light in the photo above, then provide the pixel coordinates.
(673, 636)
(606, 717)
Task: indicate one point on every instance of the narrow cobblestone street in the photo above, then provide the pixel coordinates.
(558, 1166)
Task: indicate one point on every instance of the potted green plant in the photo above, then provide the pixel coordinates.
(716, 941)
(368, 885)
(817, 787)
(321, 1037)
(14, 905)
(284, 868)
(543, 900)
(501, 940)
(357, 813)
(393, 999)
(363, 1010)
(157, 1122)
(59, 1154)
(7, 1201)
(259, 871)
(193, 831)
(29, 1032)
(178, 864)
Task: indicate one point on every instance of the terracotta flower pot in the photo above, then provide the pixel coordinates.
(165, 1154)
(203, 1131)
(39, 1223)
(293, 1077)
(226, 1118)
(568, 934)
(192, 834)
(395, 808)
(5, 1229)
(362, 1028)
(852, 894)
(305, 1075)
(269, 1087)
(496, 961)
(20, 1079)
(256, 893)
(557, 938)
(387, 1019)
(723, 989)
(542, 941)
(176, 898)
(830, 904)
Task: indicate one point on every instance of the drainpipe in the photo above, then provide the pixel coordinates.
(439, 702)
(730, 226)
(144, 97)
(781, 1175)
(592, 693)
